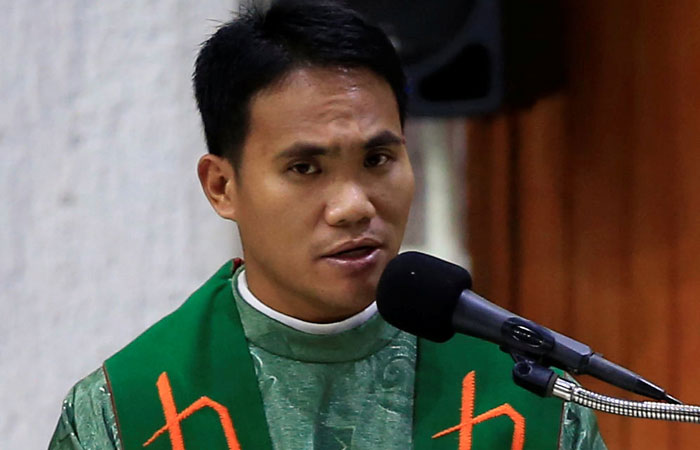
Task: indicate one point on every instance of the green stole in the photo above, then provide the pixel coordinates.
(202, 349)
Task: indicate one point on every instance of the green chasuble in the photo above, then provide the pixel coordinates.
(354, 389)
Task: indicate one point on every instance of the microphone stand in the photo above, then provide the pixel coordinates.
(543, 381)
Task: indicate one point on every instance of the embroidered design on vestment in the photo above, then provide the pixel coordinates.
(173, 418)
(467, 419)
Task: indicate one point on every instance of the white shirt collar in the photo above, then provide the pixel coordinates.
(301, 325)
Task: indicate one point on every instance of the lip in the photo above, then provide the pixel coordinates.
(350, 245)
(367, 255)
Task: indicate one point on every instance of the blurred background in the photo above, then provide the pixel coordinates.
(555, 146)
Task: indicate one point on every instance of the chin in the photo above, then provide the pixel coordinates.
(347, 309)
(357, 300)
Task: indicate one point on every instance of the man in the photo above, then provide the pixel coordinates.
(303, 109)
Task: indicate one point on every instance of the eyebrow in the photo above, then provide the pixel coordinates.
(309, 149)
(384, 138)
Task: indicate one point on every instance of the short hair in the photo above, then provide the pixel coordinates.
(258, 48)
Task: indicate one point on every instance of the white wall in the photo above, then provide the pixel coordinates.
(103, 228)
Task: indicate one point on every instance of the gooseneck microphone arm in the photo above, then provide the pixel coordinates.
(545, 382)
(571, 392)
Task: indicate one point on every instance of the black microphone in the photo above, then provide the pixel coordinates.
(431, 298)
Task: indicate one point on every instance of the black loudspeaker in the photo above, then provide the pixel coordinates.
(469, 57)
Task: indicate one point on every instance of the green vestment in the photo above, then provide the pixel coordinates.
(354, 388)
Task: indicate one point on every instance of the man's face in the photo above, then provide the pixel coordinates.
(323, 191)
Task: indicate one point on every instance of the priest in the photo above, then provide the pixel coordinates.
(303, 107)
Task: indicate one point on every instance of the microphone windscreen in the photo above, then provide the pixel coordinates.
(418, 293)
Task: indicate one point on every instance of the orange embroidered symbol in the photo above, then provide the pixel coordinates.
(467, 421)
(173, 418)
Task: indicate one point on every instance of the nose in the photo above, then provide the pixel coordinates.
(348, 205)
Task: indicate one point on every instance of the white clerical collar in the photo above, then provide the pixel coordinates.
(301, 325)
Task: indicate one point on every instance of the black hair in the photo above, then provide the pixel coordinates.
(258, 48)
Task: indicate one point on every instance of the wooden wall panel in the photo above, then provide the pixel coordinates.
(685, 88)
(544, 244)
(585, 209)
(489, 210)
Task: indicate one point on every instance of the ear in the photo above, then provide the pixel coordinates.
(217, 177)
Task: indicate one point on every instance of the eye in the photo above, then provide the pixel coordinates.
(304, 168)
(376, 159)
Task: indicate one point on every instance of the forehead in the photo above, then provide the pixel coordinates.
(322, 105)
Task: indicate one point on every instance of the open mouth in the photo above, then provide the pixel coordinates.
(357, 252)
(357, 259)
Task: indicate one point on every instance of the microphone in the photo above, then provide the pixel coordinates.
(431, 298)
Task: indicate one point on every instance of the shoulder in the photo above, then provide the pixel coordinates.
(87, 417)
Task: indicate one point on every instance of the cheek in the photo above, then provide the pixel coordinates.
(403, 184)
(283, 210)
(396, 197)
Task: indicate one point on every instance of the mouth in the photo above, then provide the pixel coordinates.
(355, 257)
(354, 253)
